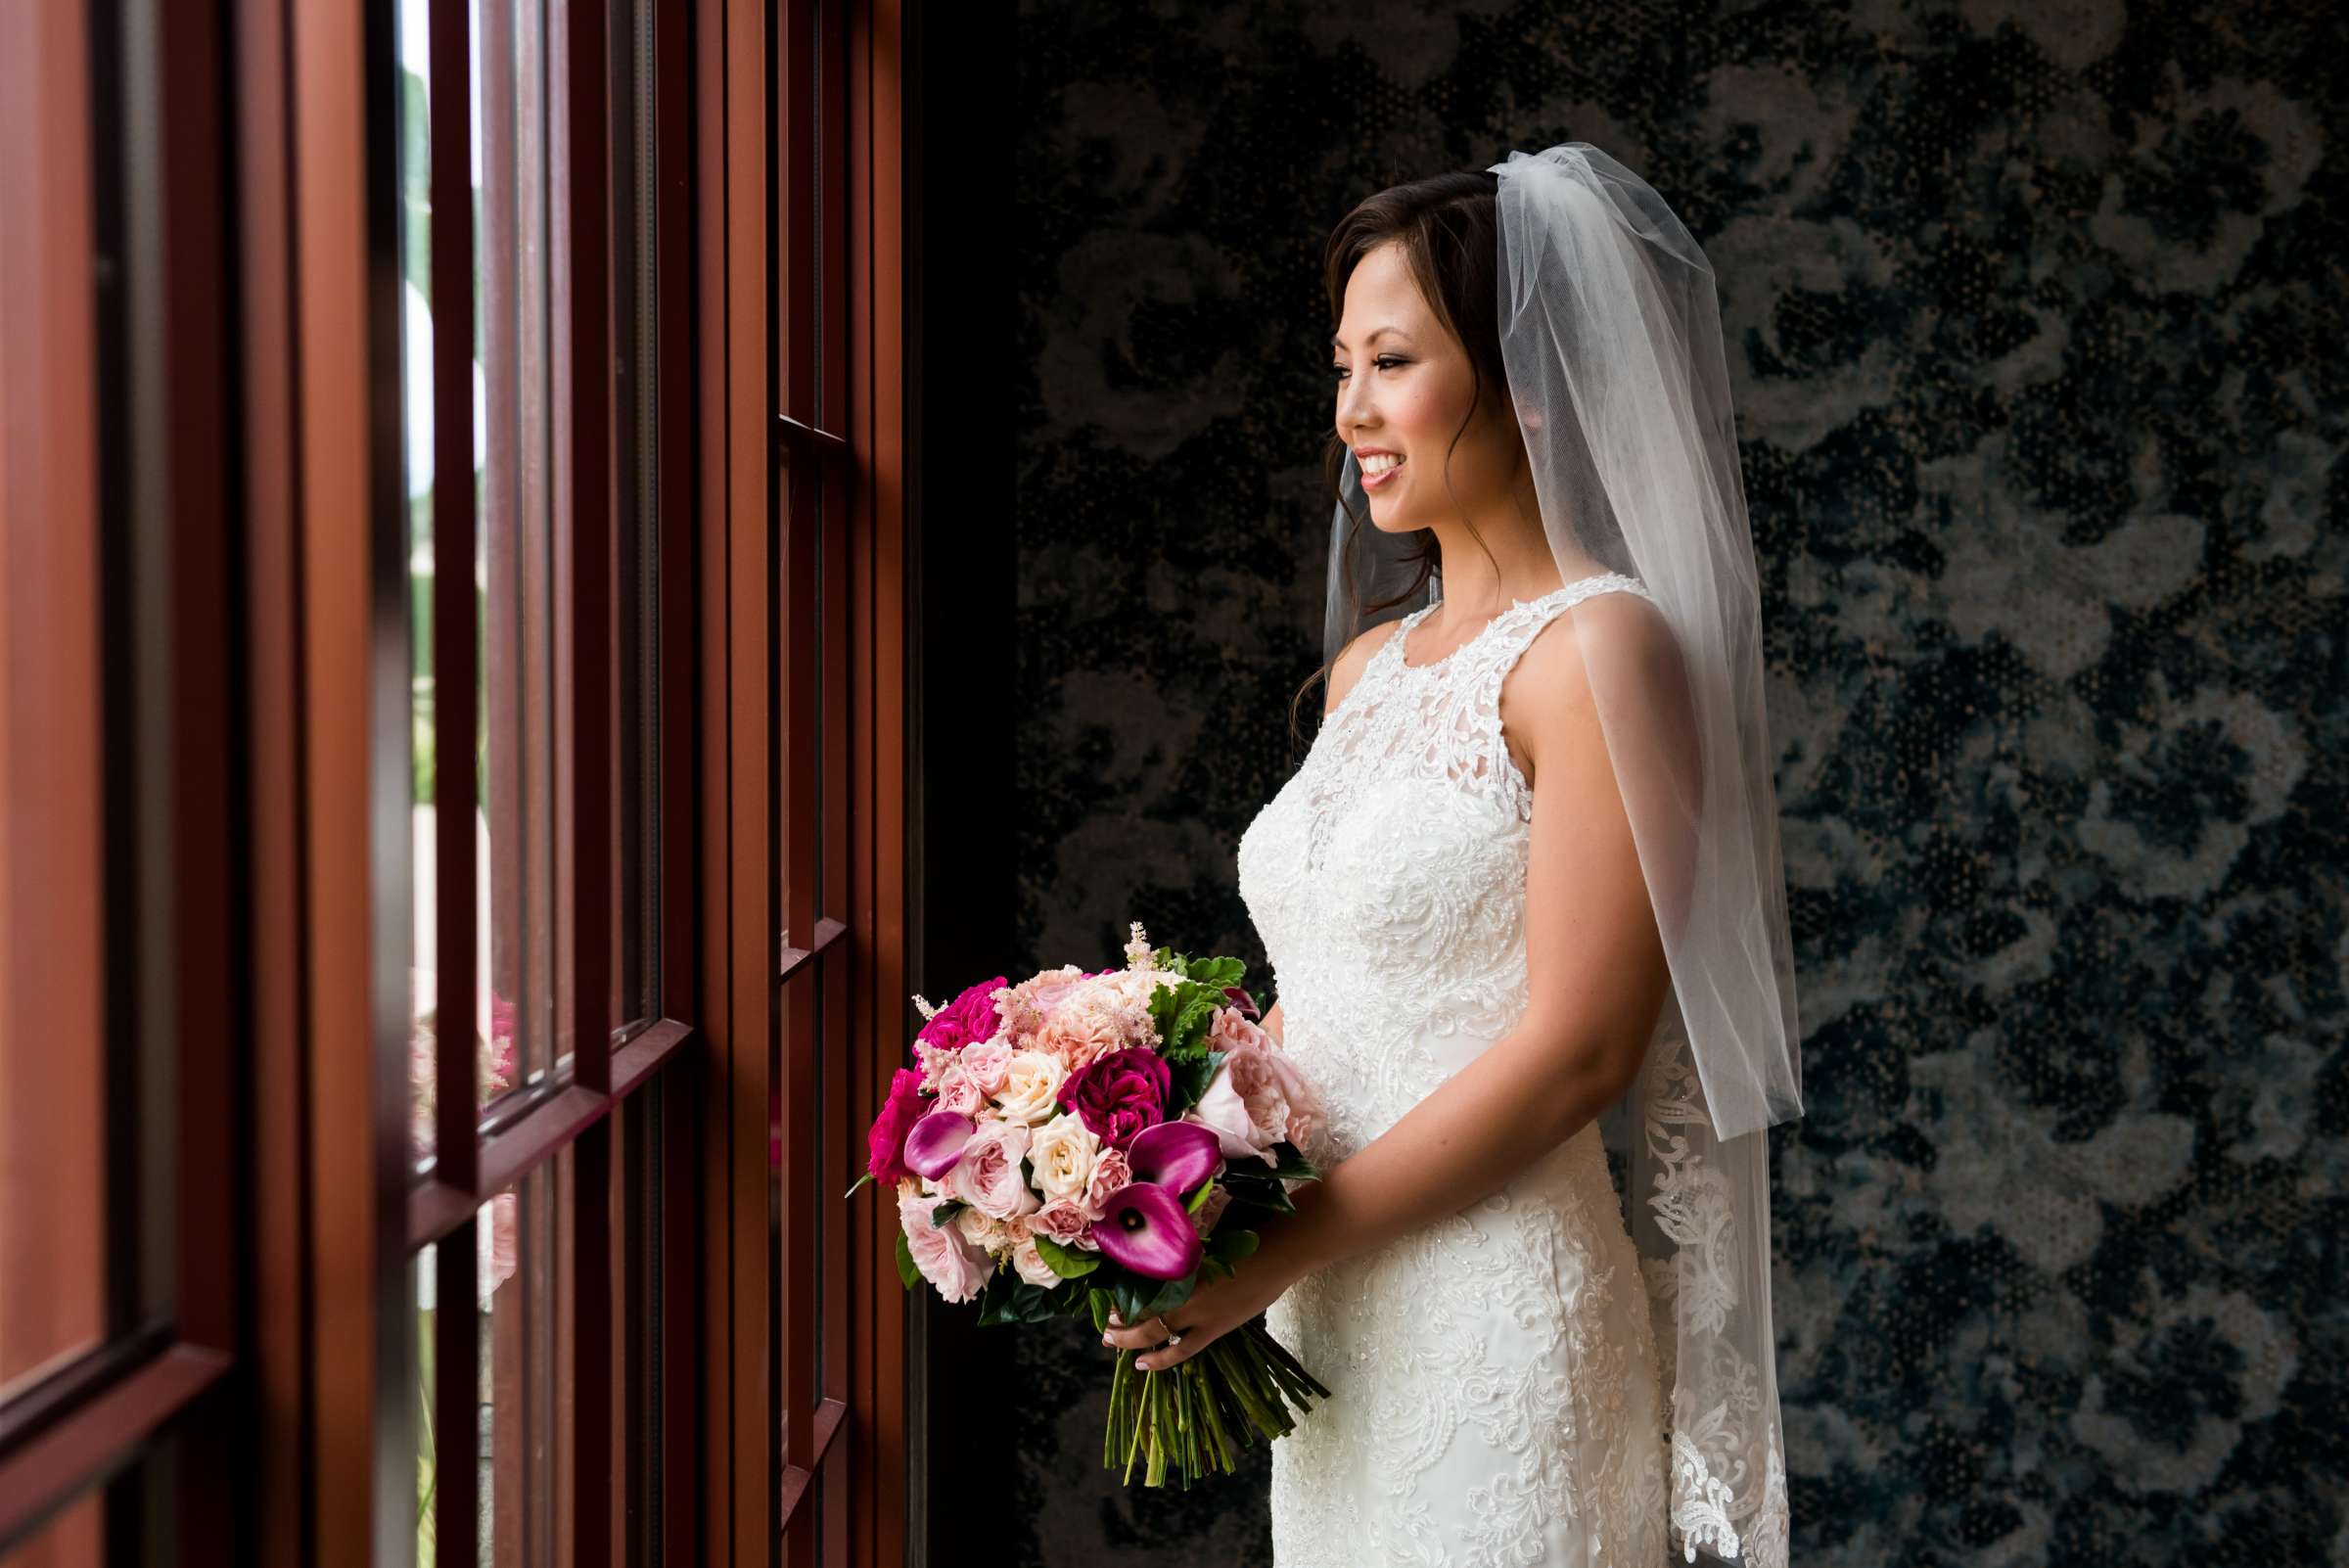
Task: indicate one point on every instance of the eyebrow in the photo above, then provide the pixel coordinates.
(1373, 338)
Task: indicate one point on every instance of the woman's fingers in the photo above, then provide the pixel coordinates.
(1140, 1336)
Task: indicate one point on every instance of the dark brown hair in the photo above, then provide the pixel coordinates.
(1446, 226)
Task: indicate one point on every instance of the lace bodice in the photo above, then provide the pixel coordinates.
(1497, 1387)
(1386, 877)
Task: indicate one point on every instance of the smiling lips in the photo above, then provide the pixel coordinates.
(1375, 475)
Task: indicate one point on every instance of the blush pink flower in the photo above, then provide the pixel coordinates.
(959, 1092)
(1029, 1265)
(1064, 1220)
(1111, 1171)
(1258, 1098)
(943, 1253)
(987, 1176)
(1230, 1029)
(985, 1062)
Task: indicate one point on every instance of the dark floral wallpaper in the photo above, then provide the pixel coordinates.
(2035, 312)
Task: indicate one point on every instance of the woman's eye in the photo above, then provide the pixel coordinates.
(1382, 362)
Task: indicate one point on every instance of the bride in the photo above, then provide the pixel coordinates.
(1524, 900)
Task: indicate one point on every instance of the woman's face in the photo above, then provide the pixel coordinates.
(1404, 386)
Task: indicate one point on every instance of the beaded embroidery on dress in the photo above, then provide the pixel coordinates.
(1498, 1394)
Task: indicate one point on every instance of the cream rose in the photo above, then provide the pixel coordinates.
(1060, 1154)
(1031, 1085)
(1030, 1264)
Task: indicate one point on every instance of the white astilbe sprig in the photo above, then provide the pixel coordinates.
(928, 1007)
(1140, 955)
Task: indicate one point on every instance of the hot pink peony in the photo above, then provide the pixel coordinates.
(966, 1020)
(1120, 1094)
(885, 1153)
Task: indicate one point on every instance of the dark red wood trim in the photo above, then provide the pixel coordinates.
(101, 1435)
(800, 439)
(713, 777)
(824, 1427)
(875, 397)
(752, 919)
(280, 1326)
(827, 930)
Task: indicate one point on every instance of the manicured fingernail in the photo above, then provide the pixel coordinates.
(1106, 1340)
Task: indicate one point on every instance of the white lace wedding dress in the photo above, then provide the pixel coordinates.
(1495, 1386)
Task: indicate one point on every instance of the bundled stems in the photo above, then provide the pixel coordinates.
(1183, 1419)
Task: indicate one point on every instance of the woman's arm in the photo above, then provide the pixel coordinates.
(1271, 1024)
(1597, 978)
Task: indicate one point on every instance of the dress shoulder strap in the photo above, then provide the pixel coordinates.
(1515, 629)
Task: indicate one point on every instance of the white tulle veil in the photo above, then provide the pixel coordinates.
(1610, 333)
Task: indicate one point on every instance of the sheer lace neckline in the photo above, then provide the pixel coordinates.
(1516, 606)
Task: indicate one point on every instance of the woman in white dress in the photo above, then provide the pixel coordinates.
(1524, 896)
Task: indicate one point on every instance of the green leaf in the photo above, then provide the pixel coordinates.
(1230, 1245)
(858, 1182)
(1070, 1263)
(1188, 1078)
(907, 1272)
(1291, 1165)
(1169, 1295)
(1218, 972)
(1099, 1300)
(944, 1212)
(1198, 1197)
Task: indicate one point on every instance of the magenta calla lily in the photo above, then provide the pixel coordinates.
(1142, 1228)
(936, 1142)
(1175, 1154)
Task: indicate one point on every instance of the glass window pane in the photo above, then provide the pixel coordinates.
(635, 674)
(520, 306)
(416, 452)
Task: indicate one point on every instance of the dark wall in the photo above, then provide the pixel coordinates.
(2035, 313)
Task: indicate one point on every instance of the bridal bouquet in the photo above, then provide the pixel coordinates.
(1087, 1142)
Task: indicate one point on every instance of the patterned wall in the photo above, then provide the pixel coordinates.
(2036, 311)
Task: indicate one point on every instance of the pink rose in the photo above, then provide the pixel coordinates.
(885, 1142)
(1111, 1171)
(1120, 1094)
(986, 1061)
(943, 1253)
(959, 1092)
(987, 1176)
(1064, 1220)
(1229, 1030)
(1256, 1098)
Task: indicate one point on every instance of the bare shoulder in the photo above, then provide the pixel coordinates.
(1547, 702)
(1351, 661)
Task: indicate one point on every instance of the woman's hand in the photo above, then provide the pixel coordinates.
(1217, 1306)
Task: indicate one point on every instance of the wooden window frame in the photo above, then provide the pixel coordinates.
(800, 339)
(283, 1382)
